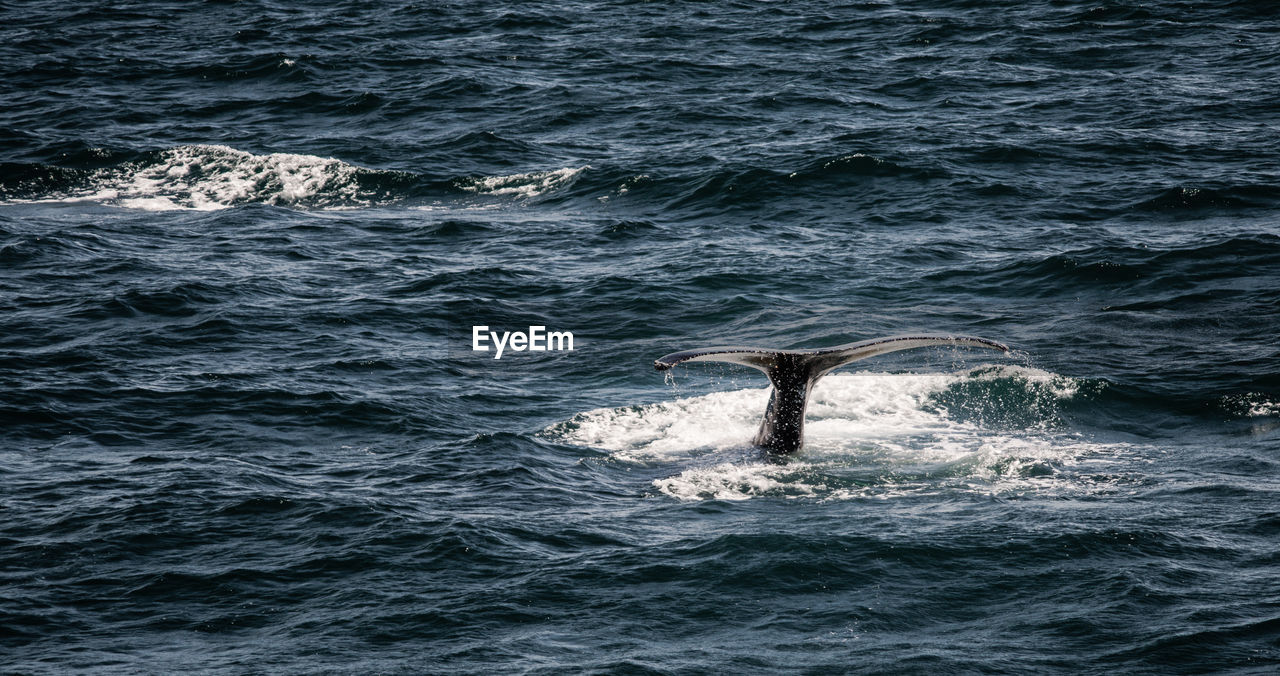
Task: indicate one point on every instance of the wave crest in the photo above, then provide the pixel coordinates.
(527, 185)
(211, 177)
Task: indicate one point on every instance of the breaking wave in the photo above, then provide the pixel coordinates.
(211, 177)
(527, 185)
(208, 177)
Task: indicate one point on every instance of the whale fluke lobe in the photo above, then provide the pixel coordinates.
(794, 372)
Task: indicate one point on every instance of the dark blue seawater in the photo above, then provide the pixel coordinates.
(243, 246)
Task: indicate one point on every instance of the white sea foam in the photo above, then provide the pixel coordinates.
(524, 186)
(1252, 405)
(210, 177)
(1264, 408)
(866, 434)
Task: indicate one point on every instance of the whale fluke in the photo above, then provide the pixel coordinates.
(794, 372)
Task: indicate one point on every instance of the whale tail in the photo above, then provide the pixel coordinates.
(794, 372)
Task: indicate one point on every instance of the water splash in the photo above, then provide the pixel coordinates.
(989, 429)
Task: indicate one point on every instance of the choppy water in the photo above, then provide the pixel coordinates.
(243, 246)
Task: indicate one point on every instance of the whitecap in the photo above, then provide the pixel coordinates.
(523, 186)
(211, 177)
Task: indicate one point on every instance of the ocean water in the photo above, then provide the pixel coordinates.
(243, 246)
